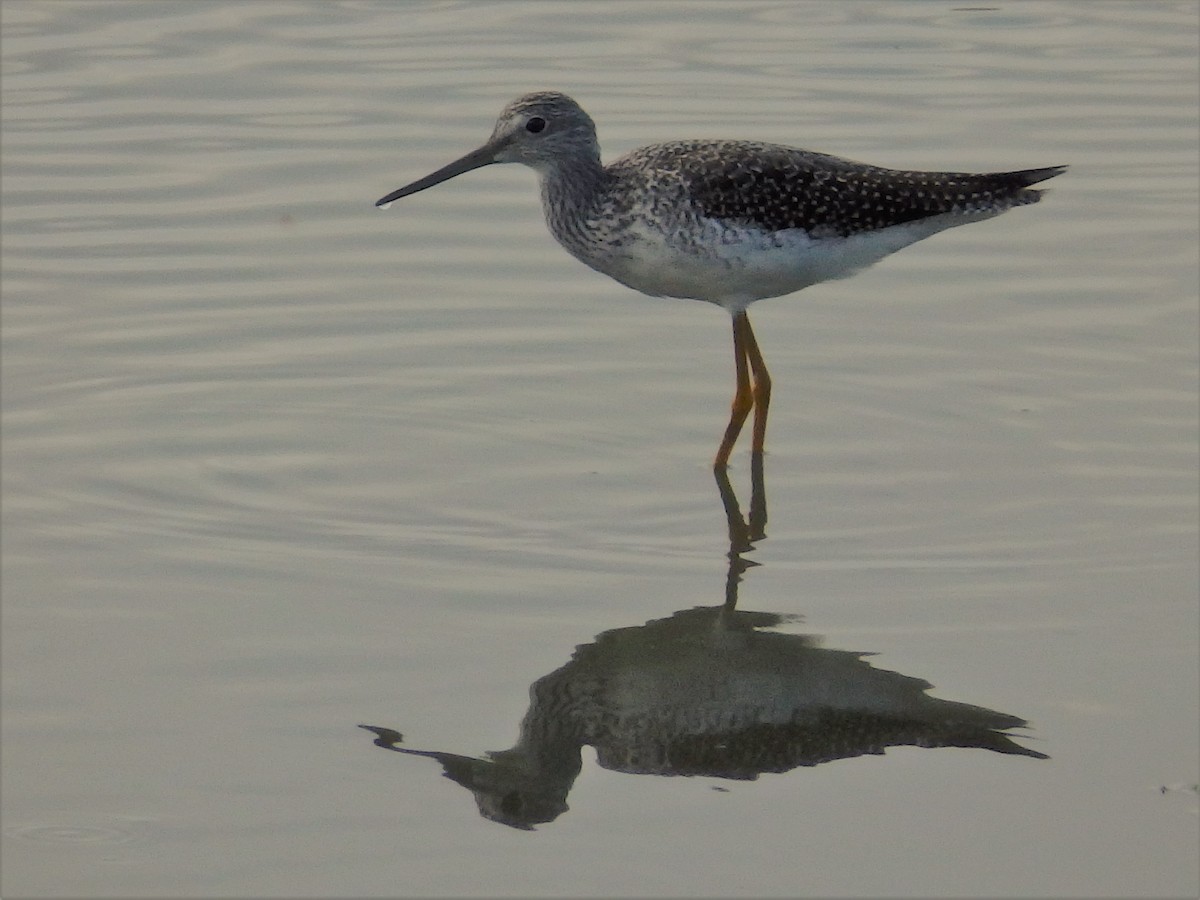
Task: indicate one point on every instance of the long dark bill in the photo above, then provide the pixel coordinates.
(484, 156)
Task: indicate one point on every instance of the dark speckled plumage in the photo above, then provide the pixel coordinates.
(726, 221)
(730, 222)
(774, 187)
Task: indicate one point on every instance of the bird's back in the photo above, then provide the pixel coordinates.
(773, 187)
(731, 222)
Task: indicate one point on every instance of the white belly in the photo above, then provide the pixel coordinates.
(733, 266)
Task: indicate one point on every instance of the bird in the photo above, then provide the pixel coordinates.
(726, 221)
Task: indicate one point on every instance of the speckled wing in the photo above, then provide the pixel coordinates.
(774, 187)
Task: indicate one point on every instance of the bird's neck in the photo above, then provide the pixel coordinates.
(572, 180)
(572, 191)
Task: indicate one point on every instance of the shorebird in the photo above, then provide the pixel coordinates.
(726, 221)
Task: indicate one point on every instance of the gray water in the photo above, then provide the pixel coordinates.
(277, 464)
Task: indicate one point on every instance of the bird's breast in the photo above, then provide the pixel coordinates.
(728, 263)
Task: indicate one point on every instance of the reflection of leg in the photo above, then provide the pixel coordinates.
(758, 499)
(739, 536)
(742, 532)
(743, 397)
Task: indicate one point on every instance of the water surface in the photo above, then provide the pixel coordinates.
(277, 464)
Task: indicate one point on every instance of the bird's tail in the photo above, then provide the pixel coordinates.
(1027, 177)
(1013, 187)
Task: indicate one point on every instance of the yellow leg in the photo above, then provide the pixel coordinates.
(762, 387)
(747, 359)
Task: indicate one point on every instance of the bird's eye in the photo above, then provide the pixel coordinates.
(535, 125)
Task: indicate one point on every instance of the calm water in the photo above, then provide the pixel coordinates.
(277, 465)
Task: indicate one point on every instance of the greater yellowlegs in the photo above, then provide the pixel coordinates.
(729, 222)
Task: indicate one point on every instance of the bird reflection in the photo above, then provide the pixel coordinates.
(710, 691)
(743, 531)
